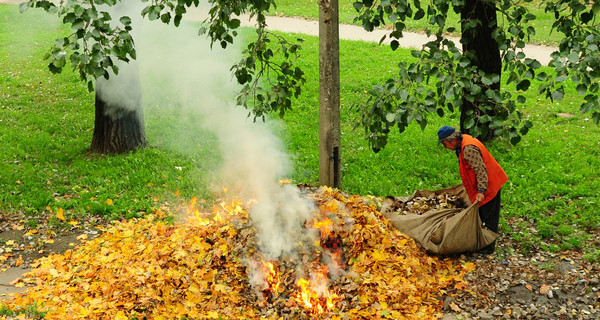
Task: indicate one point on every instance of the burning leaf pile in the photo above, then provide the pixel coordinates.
(352, 265)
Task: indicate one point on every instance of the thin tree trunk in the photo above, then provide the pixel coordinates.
(329, 94)
(484, 52)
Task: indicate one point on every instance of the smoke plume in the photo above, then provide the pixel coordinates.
(191, 85)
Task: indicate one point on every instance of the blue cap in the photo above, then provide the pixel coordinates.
(444, 133)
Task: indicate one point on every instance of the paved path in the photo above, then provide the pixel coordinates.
(6, 278)
(348, 32)
(357, 33)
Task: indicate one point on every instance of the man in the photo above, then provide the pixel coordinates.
(481, 175)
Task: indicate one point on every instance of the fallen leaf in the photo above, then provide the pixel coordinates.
(461, 285)
(59, 214)
(544, 289)
(31, 232)
(19, 261)
(454, 307)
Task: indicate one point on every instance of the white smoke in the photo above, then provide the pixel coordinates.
(121, 92)
(180, 72)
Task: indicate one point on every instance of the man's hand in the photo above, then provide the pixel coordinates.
(479, 197)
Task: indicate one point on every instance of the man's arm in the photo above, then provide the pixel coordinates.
(472, 155)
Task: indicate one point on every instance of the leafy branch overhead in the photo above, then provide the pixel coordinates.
(267, 70)
(443, 77)
(93, 42)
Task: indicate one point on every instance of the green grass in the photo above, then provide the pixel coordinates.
(46, 129)
(47, 123)
(309, 9)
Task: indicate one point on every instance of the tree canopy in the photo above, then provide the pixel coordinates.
(443, 77)
(440, 80)
(267, 71)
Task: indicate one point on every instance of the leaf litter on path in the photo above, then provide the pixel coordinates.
(204, 267)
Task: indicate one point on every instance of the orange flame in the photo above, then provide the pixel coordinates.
(272, 277)
(219, 212)
(327, 223)
(314, 299)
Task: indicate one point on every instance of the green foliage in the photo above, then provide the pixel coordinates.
(93, 42)
(283, 78)
(442, 78)
(578, 55)
(269, 75)
(592, 254)
(31, 311)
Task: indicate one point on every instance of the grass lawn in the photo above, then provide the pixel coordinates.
(47, 121)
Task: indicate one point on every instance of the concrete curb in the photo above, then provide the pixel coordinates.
(6, 278)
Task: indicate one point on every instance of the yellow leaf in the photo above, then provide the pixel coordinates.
(59, 214)
(193, 288)
(109, 202)
(82, 237)
(224, 249)
(53, 272)
(220, 288)
(379, 255)
(469, 266)
(19, 261)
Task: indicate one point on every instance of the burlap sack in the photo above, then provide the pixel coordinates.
(445, 231)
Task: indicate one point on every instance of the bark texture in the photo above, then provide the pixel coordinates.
(484, 52)
(117, 129)
(329, 94)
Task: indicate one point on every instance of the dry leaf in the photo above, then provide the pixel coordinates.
(454, 307)
(544, 289)
(143, 268)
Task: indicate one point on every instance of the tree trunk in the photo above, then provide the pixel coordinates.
(484, 52)
(329, 94)
(119, 123)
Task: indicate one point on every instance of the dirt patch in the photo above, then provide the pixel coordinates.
(539, 285)
(21, 245)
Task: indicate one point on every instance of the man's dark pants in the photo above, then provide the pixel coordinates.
(490, 216)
